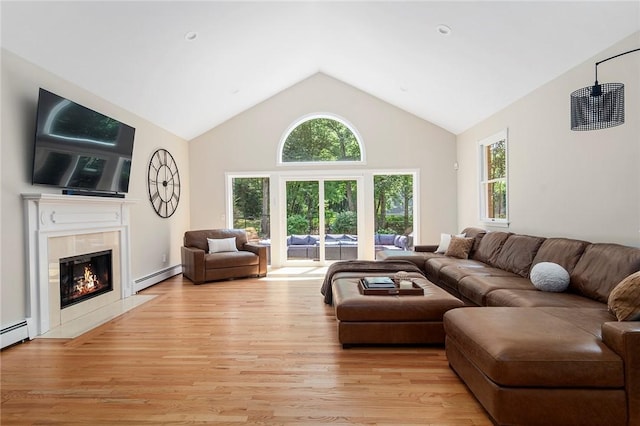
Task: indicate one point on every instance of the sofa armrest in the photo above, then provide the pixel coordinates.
(193, 263)
(261, 251)
(426, 248)
(624, 339)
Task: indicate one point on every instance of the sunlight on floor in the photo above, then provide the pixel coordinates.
(296, 273)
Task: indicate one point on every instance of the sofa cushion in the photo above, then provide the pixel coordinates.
(450, 275)
(602, 267)
(517, 254)
(624, 300)
(445, 240)
(218, 245)
(386, 239)
(534, 298)
(563, 251)
(477, 234)
(475, 288)
(548, 276)
(536, 347)
(299, 240)
(435, 263)
(489, 247)
(459, 247)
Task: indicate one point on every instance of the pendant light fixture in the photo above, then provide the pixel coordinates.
(599, 106)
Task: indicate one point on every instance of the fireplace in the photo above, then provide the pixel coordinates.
(84, 277)
(60, 227)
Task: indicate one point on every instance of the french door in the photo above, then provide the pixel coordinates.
(322, 221)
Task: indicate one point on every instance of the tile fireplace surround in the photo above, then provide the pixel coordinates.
(61, 226)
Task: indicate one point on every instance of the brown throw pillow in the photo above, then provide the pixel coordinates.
(459, 247)
(624, 299)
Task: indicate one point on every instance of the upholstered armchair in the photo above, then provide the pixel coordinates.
(220, 254)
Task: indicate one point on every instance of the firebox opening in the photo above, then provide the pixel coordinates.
(85, 276)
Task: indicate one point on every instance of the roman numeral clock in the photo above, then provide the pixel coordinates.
(164, 183)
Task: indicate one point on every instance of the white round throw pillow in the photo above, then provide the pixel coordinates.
(547, 276)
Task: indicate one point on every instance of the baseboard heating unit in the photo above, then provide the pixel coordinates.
(156, 277)
(14, 333)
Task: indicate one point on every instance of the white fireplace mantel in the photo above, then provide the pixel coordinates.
(53, 215)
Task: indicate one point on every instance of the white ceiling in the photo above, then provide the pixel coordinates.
(135, 55)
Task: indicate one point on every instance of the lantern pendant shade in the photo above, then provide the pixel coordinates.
(597, 107)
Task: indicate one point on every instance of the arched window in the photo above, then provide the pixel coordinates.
(321, 139)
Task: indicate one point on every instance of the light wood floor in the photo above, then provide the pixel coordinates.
(261, 352)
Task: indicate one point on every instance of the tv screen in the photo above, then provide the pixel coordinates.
(81, 149)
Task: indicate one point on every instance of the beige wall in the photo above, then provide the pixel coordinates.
(151, 236)
(392, 139)
(565, 183)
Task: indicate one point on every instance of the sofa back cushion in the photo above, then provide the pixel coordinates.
(476, 234)
(601, 268)
(198, 239)
(386, 239)
(489, 247)
(563, 251)
(517, 254)
(300, 240)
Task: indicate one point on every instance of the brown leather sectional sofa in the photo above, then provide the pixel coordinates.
(201, 266)
(534, 357)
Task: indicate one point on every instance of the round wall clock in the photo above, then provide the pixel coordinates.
(164, 183)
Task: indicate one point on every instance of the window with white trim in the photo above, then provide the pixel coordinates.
(494, 183)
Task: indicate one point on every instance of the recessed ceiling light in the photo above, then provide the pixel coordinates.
(443, 29)
(191, 35)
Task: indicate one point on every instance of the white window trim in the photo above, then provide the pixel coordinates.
(482, 202)
(313, 116)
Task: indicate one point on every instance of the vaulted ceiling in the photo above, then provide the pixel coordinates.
(140, 55)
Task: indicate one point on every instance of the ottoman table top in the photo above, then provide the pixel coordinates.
(352, 305)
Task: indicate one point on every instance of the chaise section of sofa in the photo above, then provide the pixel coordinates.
(540, 357)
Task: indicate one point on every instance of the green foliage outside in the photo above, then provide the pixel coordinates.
(324, 139)
(297, 224)
(251, 205)
(321, 139)
(345, 223)
(393, 203)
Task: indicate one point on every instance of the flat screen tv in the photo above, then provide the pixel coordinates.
(80, 150)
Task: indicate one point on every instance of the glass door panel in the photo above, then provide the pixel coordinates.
(340, 219)
(393, 206)
(250, 197)
(303, 220)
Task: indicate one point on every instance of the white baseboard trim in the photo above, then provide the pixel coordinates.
(156, 277)
(14, 333)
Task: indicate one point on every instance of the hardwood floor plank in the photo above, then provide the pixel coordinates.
(252, 351)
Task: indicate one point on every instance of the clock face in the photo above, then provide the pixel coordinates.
(164, 183)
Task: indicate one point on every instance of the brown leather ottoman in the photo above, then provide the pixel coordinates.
(538, 366)
(366, 319)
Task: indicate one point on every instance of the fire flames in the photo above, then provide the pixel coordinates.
(87, 283)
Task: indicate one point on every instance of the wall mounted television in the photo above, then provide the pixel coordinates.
(80, 150)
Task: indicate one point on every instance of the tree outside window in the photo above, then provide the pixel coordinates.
(493, 178)
(321, 139)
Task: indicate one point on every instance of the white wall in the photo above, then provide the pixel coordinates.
(392, 138)
(151, 236)
(565, 183)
